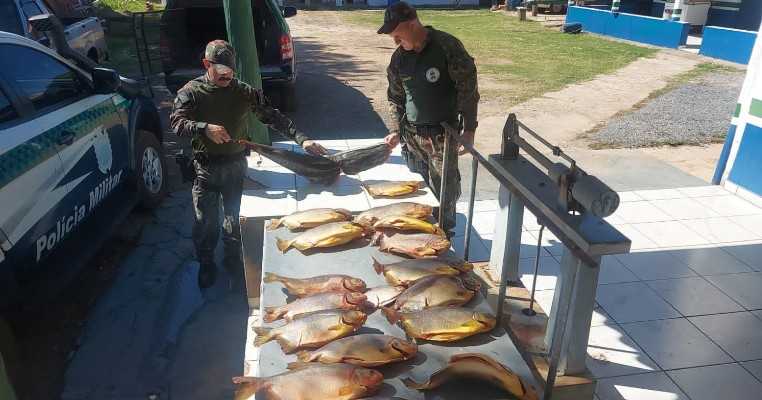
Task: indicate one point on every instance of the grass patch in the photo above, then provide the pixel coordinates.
(125, 7)
(123, 56)
(522, 57)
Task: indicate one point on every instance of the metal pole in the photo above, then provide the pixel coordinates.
(567, 288)
(504, 272)
(443, 180)
(530, 312)
(470, 215)
(513, 246)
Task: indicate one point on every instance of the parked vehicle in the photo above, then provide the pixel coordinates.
(188, 25)
(84, 35)
(80, 147)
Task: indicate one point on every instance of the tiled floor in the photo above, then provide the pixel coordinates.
(680, 317)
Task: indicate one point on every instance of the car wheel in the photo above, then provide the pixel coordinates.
(556, 8)
(151, 170)
(288, 98)
(9, 351)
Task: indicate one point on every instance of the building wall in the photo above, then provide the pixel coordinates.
(740, 166)
(736, 14)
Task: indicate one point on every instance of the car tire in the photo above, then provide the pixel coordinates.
(557, 8)
(288, 98)
(10, 352)
(151, 170)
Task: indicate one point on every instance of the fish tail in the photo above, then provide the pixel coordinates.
(247, 386)
(303, 356)
(377, 266)
(391, 314)
(296, 364)
(270, 278)
(272, 313)
(264, 335)
(411, 384)
(285, 345)
(274, 223)
(283, 245)
(439, 231)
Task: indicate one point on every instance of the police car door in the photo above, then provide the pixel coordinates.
(30, 178)
(85, 128)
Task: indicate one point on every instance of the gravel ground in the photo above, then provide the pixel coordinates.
(708, 102)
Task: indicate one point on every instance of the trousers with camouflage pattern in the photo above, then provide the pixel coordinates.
(218, 178)
(426, 143)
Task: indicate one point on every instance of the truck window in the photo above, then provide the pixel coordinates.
(31, 9)
(10, 20)
(7, 112)
(45, 80)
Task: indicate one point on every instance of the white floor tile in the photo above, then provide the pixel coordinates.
(684, 208)
(650, 386)
(729, 206)
(675, 343)
(739, 334)
(704, 191)
(750, 253)
(650, 265)
(273, 177)
(547, 273)
(530, 222)
(629, 196)
(633, 302)
(660, 194)
(710, 260)
(613, 271)
(752, 223)
(614, 219)
(483, 222)
(720, 230)
(641, 211)
(694, 296)
(256, 160)
(476, 250)
(639, 240)
(600, 317)
(479, 205)
(549, 242)
(352, 198)
(610, 352)
(544, 299)
(341, 180)
(754, 368)
(670, 234)
(729, 381)
(529, 246)
(744, 288)
(268, 203)
(389, 172)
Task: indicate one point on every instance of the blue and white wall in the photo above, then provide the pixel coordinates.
(740, 166)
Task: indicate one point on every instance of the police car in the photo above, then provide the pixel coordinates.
(79, 148)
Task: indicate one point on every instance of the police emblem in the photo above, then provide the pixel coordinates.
(432, 75)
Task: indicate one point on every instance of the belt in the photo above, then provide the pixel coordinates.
(204, 158)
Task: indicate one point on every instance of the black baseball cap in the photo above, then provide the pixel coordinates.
(394, 15)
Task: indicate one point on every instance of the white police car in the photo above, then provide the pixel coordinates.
(79, 148)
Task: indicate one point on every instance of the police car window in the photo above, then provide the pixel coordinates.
(45, 80)
(9, 18)
(7, 112)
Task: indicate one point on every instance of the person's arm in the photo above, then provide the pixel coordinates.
(183, 119)
(260, 106)
(463, 72)
(395, 93)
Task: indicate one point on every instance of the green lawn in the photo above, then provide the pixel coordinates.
(123, 55)
(128, 6)
(524, 58)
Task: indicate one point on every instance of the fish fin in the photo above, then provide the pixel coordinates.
(411, 384)
(303, 356)
(351, 389)
(377, 266)
(274, 223)
(286, 346)
(391, 314)
(264, 335)
(375, 240)
(296, 364)
(270, 278)
(247, 386)
(283, 245)
(272, 314)
(439, 231)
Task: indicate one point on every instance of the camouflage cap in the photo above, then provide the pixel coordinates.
(221, 55)
(399, 12)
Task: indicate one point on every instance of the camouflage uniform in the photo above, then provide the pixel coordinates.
(437, 84)
(220, 168)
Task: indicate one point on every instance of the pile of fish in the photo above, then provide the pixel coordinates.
(427, 295)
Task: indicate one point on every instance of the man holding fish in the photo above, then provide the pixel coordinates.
(432, 79)
(212, 110)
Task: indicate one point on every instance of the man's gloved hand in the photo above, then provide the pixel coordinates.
(313, 147)
(217, 133)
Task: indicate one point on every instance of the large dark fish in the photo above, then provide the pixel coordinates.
(355, 161)
(313, 167)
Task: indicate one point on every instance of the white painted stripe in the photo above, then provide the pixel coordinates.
(21, 133)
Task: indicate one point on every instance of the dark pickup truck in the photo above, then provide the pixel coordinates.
(188, 25)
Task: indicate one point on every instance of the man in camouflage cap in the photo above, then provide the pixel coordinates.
(212, 110)
(432, 79)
